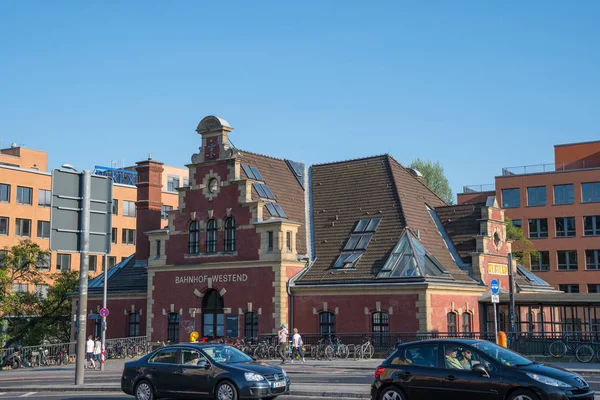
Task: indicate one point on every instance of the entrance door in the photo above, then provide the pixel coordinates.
(213, 319)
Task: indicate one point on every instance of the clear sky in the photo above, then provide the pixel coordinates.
(475, 85)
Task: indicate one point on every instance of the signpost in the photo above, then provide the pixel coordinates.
(81, 221)
(495, 289)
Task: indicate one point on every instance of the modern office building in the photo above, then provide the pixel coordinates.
(558, 207)
(25, 195)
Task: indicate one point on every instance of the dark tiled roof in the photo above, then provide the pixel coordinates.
(282, 181)
(461, 224)
(122, 277)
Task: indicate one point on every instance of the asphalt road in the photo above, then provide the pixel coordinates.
(93, 396)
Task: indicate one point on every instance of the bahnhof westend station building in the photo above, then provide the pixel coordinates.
(357, 246)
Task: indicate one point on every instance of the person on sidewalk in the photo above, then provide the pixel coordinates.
(297, 344)
(98, 351)
(89, 351)
(282, 335)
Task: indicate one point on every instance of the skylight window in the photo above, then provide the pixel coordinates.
(263, 191)
(298, 171)
(275, 210)
(252, 172)
(367, 225)
(347, 260)
(358, 242)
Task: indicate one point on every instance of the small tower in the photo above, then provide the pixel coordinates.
(215, 143)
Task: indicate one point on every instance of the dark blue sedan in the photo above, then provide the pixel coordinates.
(192, 370)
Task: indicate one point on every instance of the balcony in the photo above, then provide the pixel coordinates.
(121, 176)
(552, 167)
(489, 187)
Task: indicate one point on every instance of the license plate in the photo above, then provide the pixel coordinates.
(278, 384)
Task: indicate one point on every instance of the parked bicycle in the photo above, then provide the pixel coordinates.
(583, 352)
(364, 350)
(393, 348)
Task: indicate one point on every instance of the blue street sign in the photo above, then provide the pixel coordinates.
(495, 286)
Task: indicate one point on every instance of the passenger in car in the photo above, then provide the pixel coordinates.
(451, 360)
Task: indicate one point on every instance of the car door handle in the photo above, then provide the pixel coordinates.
(406, 374)
(451, 378)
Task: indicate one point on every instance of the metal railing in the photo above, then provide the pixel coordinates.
(551, 167)
(487, 187)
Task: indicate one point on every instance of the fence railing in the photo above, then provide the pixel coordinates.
(490, 187)
(551, 167)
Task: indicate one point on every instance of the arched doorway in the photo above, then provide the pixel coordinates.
(213, 319)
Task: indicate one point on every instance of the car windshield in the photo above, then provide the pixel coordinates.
(501, 354)
(226, 355)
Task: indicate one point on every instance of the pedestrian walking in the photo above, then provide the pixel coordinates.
(297, 344)
(98, 351)
(89, 351)
(282, 335)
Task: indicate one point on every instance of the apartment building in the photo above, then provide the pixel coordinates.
(558, 207)
(25, 195)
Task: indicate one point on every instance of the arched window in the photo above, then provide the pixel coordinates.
(466, 322)
(251, 325)
(380, 328)
(194, 244)
(211, 236)
(213, 317)
(134, 324)
(230, 234)
(327, 323)
(451, 319)
(173, 328)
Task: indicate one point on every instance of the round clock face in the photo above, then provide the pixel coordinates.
(213, 184)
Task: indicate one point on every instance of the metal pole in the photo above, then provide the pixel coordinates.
(103, 359)
(83, 276)
(511, 292)
(496, 322)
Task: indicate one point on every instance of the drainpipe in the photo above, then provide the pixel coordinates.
(289, 285)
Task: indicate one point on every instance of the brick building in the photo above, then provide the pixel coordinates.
(351, 246)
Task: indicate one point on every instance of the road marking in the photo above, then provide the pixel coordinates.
(27, 394)
(2, 393)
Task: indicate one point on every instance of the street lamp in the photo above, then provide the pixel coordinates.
(69, 166)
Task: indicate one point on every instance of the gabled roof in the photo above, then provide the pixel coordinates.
(461, 224)
(123, 277)
(283, 182)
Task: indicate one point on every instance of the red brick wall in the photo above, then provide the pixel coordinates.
(577, 156)
(441, 304)
(117, 322)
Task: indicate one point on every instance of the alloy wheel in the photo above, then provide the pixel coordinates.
(523, 397)
(143, 392)
(391, 395)
(225, 392)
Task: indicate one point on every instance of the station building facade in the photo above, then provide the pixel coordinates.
(346, 247)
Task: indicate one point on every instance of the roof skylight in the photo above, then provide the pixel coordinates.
(357, 243)
(275, 210)
(252, 172)
(298, 170)
(367, 225)
(347, 260)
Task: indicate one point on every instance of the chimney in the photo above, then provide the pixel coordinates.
(148, 205)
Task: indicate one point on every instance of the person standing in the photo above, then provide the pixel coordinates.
(98, 351)
(297, 344)
(89, 351)
(282, 335)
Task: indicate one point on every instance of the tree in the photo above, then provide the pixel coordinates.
(522, 248)
(434, 178)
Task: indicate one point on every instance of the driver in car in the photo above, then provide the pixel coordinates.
(467, 359)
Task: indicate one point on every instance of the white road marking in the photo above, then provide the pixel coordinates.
(27, 394)
(2, 393)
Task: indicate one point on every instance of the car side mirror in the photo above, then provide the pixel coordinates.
(481, 370)
(203, 364)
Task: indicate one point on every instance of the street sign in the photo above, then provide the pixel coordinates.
(495, 298)
(66, 216)
(495, 286)
(104, 312)
(93, 316)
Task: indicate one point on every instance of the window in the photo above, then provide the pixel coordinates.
(569, 288)
(263, 191)
(173, 328)
(347, 260)
(172, 183)
(44, 198)
(43, 229)
(590, 192)
(275, 210)
(128, 236)
(158, 249)
(367, 225)
(424, 355)
(538, 228)
(4, 226)
(517, 223)
(288, 241)
(211, 236)
(592, 260)
(165, 356)
(194, 239)
(3, 256)
(591, 225)
(134, 324)
(563, 194)
(43, 262)
(270, 241)
(63, 262)
(163, 211)
(466, 322)
(23, 227)
(327, 323)
(536, 196)
(593, 287)
(114, 235)
(115, 207)
(41, 291)
(4, 193)
(112, 260)
(380, 328)
(230, 234)
(540, 262)
(186, 181)
(511, 198)
(251, 325)
(24, 195)
(92, 263)
(567, 260)
(252, 172)
(19, 288)
(128, 208)
(565, 227)
(451, 320)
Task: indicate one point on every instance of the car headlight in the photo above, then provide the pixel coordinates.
(548, 381)
(283, 371)
(252, 377)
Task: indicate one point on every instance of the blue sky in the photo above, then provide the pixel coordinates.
(473, 85)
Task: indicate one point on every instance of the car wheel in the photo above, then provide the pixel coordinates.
(144, 391)
(392, 393)
(523, 394)
(226, 391)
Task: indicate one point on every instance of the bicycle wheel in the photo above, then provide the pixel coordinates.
(557, 349)
(328, 353)
(346, 352)
(313, 352)
(584, 353)
(370, 351)
(358, 353)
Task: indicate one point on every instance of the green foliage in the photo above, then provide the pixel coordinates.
(434, 178)
(522, 248)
